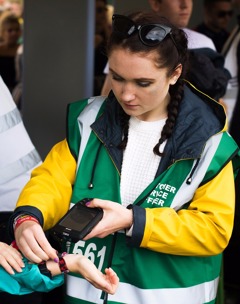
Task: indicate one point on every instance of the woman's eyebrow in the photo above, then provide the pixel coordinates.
(112, 71)
(136, 79)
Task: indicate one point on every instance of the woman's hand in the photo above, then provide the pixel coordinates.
(10, 258)
(33, 243)
(115, 218)
(107, 282)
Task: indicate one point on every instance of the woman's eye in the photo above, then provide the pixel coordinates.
(139, 83)
(117, 78)
(143, 83)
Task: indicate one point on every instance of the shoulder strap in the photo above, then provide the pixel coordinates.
(80, 116)
(85, 119)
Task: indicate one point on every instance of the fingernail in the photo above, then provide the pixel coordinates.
(56, 260)
(88, 203)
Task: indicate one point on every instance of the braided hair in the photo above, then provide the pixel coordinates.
(172, 51)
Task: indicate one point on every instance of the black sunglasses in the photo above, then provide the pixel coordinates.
(223, 14)
(149, 34)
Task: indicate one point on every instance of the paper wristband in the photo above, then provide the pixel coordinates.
(23, 219)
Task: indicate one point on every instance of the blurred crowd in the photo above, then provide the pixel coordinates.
(11, 46)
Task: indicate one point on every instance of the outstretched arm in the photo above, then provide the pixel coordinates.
(77, 263)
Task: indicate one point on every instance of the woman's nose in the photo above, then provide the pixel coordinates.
(128, 92)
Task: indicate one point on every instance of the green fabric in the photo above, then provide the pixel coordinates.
(220, 295)
(131, 263)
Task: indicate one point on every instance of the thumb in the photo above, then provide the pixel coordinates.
(89, 202)
(94, 203)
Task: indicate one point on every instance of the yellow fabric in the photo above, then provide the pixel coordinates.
(204, 229)
(54, 185)
(192, 232)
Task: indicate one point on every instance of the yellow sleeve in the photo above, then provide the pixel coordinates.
(50, 186)
(201, 230)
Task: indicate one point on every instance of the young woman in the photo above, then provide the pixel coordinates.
(156, 157)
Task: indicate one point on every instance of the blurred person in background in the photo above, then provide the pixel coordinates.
(102, 31)
(231, 51)
(10, 32)
(217, 15)
(16, 7)
(179, 13)
(4, 5)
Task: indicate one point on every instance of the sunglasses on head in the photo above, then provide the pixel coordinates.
(149, 34)
(223, 14)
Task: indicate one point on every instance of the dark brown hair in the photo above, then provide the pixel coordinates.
(172, 51)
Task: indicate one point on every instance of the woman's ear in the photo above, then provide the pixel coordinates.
(176, 74)
(154, 4)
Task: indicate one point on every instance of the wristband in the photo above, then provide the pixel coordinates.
(16, 218)
(23, 218)
(44, 270)
(62, 264)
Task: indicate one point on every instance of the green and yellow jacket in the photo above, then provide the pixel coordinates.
(182, 221)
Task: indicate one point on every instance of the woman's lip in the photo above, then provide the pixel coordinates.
(184, 15)
(129, 105)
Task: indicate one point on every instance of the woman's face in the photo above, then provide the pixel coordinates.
(140, 87)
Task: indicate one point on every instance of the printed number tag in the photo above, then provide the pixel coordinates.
(91, 252)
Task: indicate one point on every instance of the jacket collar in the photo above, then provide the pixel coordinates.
(200, 117)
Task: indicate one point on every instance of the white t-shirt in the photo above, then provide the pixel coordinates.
(140, 164)
(197, 40)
